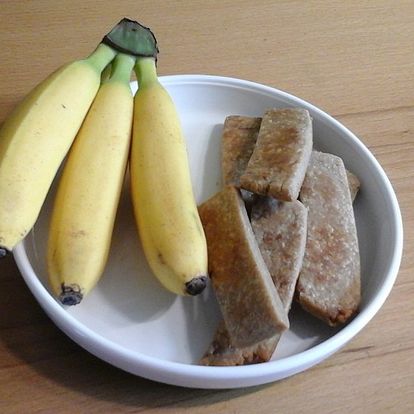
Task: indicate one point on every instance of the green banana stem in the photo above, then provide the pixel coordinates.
(121, 68)
(100, 58)
(132, 38)
(146, 72)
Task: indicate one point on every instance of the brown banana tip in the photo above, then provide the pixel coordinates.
(70, 295)
(3, 252)
(196, 285)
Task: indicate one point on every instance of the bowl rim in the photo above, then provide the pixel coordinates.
(198, 376)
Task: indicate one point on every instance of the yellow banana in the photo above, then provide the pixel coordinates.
(89, 190)
(36, 137)
(166, 212)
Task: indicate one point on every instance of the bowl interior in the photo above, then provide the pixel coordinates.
(130, 308)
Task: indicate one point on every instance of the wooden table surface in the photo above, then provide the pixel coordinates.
(353, 59)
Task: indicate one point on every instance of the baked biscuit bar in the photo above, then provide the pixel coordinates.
(329, 282)
(281, 155)
(248, 299)
(238, 141)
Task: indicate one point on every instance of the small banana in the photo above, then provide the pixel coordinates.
(35, 138)
(165, 210)
(88, 193)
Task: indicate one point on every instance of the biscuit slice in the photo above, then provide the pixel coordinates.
(237, 144)
(249, 302)
(238, 141)
(329, 283)
(280, 230)
(278, 164)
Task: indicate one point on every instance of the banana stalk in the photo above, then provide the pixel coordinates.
(165, 209)
(36, 137)
(89, 190)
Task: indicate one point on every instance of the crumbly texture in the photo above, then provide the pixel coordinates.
(280, 230)
(278, 164)
(250, 305)
(329, 282)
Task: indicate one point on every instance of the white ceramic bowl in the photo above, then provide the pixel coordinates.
(130, 321)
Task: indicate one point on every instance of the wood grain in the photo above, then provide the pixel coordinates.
(355, 60)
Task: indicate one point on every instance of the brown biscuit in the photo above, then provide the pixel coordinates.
(238, 142)
(281, 155)
(280, 230)
(249, 302)
(329, 282)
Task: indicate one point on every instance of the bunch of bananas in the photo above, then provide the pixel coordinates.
(98, 124)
